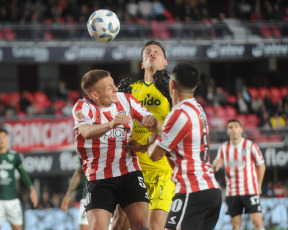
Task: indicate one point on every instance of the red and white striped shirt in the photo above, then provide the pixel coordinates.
(105, 157)
(240, 162)
(185, 136)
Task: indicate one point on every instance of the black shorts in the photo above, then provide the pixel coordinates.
(236, 204)
(199, 210)
(107, 193)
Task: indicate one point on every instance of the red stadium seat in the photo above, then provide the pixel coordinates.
(230, 112)
(15, 96)
(74, 95)
(260, 139)
(220, 111)
(252, 119)
(209, 111)
(231, 99)
(41, 99)
(253, 92)
(242, 118)
(263, 91)
(284, 91)
(274, 138)
(275, 94)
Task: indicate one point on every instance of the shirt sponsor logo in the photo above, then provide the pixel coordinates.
(237, 164)
(150, 101)
(116, 133)
(6, 165)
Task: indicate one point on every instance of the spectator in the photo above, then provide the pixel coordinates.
(2, 109)
(241, 104)
(268, 103)
(277, 121)
(45, 202)
(62, 91)
(217, 123)
(24, 101)
(210, 95)
(67, 109)
(279, 190)
(145, 9)
(265, 120)
(221, 28)
(158, 10)
(132, 8)
(220, 97)
(256, 105)
(244, 10)
(268, 191)
(55, 200)
(11, 110)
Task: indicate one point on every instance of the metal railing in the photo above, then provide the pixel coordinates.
(198, 32)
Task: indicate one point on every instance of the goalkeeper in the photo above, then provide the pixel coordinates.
(153, 93)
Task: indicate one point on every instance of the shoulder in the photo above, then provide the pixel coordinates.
(137, 83)
(10, 151)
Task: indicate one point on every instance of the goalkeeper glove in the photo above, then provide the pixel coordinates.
(124, 85)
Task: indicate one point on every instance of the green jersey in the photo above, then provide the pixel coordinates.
(8, 163)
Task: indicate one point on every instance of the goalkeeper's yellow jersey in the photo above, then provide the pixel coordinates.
(152, 99)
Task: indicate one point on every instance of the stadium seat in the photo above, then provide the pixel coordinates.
(253, 120)
(253, 92)
(274, 138)
(231, 99)
(74, 95)
(160, 30)
(15, 96)
(275, 94)
(284, 91)
(242, 118)
(263, 91)
(41, 100)
(260, 139)
(209, 111)
(4, 97)
(230, 112)
(221, 112)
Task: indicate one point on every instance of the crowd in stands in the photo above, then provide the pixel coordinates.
(264, 107)
(274, 190)
(63, 16)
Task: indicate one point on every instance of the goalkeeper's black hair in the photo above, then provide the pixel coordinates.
(153, 42)
(186, 75)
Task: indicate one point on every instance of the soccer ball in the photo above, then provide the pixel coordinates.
(103, 25)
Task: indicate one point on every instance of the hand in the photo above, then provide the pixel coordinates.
(65, 203)
(124, 85)
(33, 197)
(260, 189)
(119, 119)
(149, 121)
(136, 146)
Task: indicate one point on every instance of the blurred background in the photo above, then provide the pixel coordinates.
(240, 47)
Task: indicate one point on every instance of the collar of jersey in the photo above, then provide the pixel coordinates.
(147, 83)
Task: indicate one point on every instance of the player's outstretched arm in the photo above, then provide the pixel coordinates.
(76, 178)
(89, 131)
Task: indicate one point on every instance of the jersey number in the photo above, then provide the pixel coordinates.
(141, 182)
(254, 200)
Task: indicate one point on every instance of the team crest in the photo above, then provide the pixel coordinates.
(122, 112)
(11, 157)
(79, 114)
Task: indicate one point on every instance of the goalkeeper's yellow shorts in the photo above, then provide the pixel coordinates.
(160, 188)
